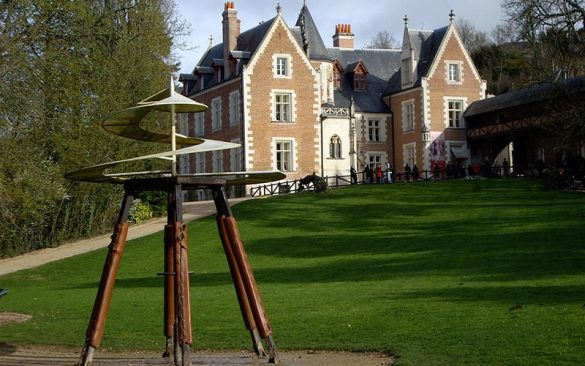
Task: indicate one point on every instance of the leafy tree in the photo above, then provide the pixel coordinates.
(64, 66)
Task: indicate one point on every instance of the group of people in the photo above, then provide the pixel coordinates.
(376, 175)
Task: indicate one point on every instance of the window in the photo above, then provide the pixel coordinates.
(410, 154)
(284, 155)
(374, 130)
(216, 114)
(200, 124)
(217, 161)
(236, 157)
(374, 160)
(200, 162)
(408, 116)
(335, 147)
(360, 81)
(337, 79)
(454, 72)
(454, 112)
(282, 66)
(283, 107)
(235, 108)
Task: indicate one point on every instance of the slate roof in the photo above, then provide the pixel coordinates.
(537, 94)
(308, 34)
(381, 65)
(425, 46)
(247, 44)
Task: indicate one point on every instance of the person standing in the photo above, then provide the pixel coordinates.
(389, 173)
(353, 174)
(378, 174)
(506, 167)
(407, 171)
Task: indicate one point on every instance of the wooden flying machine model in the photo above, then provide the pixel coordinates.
(177, 309)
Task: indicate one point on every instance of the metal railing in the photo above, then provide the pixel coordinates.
(337, 181)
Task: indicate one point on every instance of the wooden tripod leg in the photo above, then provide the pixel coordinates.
(251, 288)
(182, 298)
(169, 288)
(101, 306)
(240, 289)
(236, 247)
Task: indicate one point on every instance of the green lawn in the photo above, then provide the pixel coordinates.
(451, 273)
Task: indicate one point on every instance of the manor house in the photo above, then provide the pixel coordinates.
(300, 106)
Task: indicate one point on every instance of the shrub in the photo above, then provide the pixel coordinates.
(139, 211)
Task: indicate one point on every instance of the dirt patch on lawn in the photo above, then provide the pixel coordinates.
(11, 318)
(42, 355)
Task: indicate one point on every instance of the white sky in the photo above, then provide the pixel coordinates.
(367, 18)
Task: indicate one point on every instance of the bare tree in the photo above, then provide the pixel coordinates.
(471, 37)
(505, 33)
(554, 29)
(383, 40)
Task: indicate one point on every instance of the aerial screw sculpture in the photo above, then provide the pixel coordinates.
(177, 309)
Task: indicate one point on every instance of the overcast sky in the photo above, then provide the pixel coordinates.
(367, 18)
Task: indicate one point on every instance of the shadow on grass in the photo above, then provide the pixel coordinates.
(517, 295)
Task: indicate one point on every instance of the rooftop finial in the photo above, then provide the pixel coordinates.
(451, 15)
(210, 40)
(405, 20)
(278, 8)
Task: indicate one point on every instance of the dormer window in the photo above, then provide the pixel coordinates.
(337, 75)
(360, 75)
(282, 66)
(360, 81)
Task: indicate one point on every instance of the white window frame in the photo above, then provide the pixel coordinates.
(408, 116)
(200, 162)
(276, 151)
(235, 111)
(199, 124)
(216, 114)
(217, 161)
(374, 159)
(236, 157)
(409, 154)
(449, 111)
(454, 72)
(374, 130)
(282, 66)
(275, 94)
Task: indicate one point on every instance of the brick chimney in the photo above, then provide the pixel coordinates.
(343, 37)
(231, 31)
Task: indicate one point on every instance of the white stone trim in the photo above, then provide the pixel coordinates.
(262, 47)
(293, 105)
(448, 63)
(446, 100)
(289, 65)
(404, 104)
(405, 147)
(452, 31)
(294, 160)
(248, 134)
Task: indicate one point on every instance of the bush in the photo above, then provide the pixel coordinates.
(139, 211)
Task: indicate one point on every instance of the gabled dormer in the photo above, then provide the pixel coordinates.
(337, 75)
(359, 75)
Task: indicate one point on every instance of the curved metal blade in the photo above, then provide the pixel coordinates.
(97, 173)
